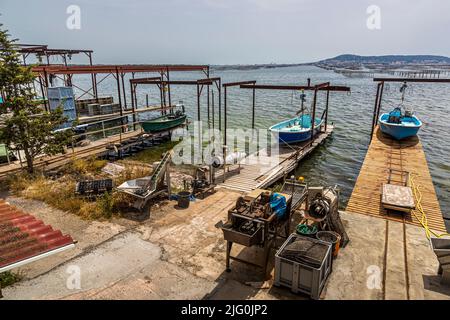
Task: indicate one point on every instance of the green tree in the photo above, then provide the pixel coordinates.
(26, 126)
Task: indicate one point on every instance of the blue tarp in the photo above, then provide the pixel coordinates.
(278, 204)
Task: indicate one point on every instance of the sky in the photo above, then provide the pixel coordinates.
(231, 31)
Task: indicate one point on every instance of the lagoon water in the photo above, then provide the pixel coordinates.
(338, 161)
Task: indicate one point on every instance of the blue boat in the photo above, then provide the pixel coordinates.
(399, 126)
(295, 130)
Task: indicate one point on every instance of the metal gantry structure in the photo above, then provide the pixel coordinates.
(253, 86)
(162, 84)
(47, 72)
(380, 90)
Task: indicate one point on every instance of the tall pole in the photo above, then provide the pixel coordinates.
(93, 78)
(161, 96)
(120, 99)
(212, 108)
(133, 104)
(168, 90)
(313, 114)
(207, 104)
(122, 75)
(198, 102)
(326, 108)
(47, 107)
(374, 116)
(379, 102)
(220, 104)
(224, 116)
(253, 109)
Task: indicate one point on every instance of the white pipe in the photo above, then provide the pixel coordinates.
(35, 258)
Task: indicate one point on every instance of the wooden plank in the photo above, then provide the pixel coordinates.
(384, 154)
(265, 170)
(95, 148)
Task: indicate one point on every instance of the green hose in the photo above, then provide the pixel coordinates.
(304, 229)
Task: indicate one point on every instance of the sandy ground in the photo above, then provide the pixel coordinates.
(180, 254)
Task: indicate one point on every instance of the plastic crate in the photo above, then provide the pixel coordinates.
(301, 277)
(60, 92)
(244, 239)
(92, 187)
(106, 108)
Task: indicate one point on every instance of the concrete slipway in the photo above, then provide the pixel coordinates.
(180, 254)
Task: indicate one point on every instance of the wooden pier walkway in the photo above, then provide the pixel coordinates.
(400, 156)
(261, 170)
(50, 162)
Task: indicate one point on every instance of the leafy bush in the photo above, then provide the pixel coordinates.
(8, 278)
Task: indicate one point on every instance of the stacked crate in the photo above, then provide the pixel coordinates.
(63, 97)
(82, 106)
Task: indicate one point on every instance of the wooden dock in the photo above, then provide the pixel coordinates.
(117, 115)
(95, 148)
(261, 170)
(386, 154)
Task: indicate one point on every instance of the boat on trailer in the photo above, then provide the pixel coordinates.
(297, 129)
(399, 125)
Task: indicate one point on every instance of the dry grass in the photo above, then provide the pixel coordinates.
(60, 193)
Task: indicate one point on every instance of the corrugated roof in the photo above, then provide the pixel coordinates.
(23, 237)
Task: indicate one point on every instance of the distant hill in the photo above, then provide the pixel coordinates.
(346, 60)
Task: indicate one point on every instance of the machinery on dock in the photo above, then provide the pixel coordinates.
(321, 210)
(257, 219)
(203, 181)
(146, 188)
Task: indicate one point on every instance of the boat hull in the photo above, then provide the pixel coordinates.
(400, 131)
(162, 124)
(284, 136)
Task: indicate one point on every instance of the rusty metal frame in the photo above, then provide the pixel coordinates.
(380, 90)
(319, 87)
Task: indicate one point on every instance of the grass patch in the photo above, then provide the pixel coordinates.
(8, 278)
(60, 193)
(154, 153)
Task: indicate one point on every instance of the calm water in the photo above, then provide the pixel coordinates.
(338, 161)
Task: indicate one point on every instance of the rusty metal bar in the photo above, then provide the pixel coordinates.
(122, 75)
(224, 116)
(288, 87)
(437, 80)
(313, 119)
(253, 108)
(168, 89)
(374, 115)
(120, 99)
(326, 110)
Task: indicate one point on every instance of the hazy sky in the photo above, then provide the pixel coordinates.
(232, 31)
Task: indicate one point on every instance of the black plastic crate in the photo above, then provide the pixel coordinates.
(93, 187)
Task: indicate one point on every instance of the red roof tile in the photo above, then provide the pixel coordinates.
(22, 236)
